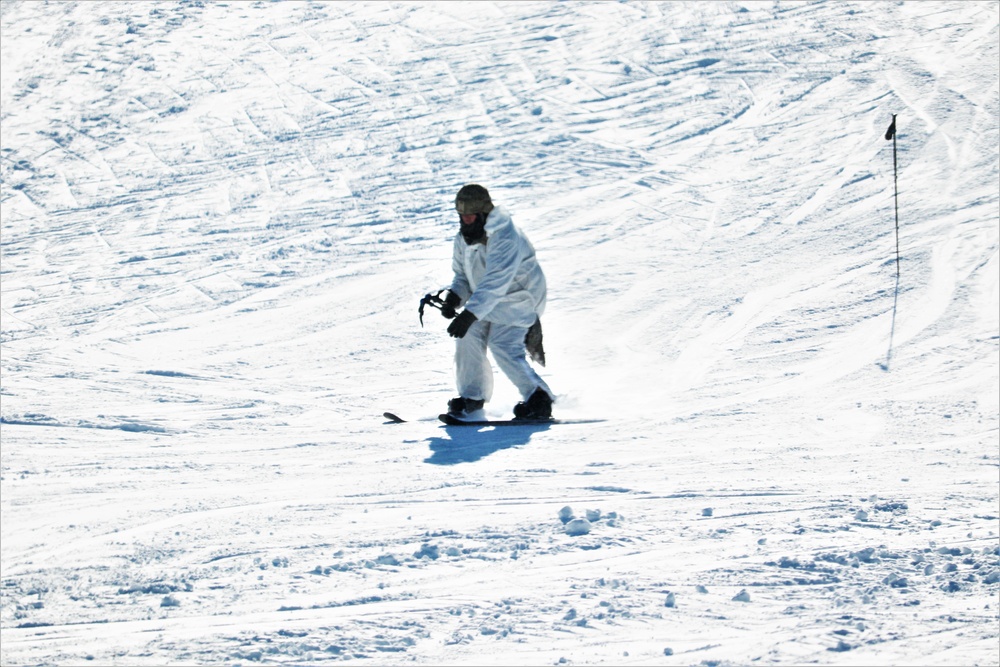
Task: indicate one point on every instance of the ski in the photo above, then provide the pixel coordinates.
(449, 420)
(454, 421)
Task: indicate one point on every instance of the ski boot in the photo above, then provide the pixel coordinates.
(467, 409)
(538, 406)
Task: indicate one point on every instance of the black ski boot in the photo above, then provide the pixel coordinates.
(538, 406)
(465, 408)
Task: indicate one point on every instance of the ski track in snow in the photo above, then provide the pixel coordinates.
(217, 222)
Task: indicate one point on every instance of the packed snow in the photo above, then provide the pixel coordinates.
(218, 220)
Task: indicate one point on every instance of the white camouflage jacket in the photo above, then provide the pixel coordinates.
(499, 281)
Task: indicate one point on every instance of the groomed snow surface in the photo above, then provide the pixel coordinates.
(218, 220)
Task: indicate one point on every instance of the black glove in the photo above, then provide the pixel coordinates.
(461, 325)
(450, 303)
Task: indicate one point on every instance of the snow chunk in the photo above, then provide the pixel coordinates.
(742, 596)
(428, 551)
(578, 527)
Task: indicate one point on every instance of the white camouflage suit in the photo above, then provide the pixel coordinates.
(501, 283)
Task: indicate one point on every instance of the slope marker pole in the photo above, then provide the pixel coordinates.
(891, 134)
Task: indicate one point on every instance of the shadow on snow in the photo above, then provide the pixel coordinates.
(467, 444)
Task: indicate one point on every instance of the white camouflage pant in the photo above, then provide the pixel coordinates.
(474, 375)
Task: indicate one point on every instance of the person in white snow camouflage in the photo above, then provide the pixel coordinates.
(501, 286)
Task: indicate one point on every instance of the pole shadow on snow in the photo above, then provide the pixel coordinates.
(892, 331)
(467, 444)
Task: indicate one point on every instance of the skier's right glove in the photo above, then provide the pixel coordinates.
(460, 326)
(450, 303)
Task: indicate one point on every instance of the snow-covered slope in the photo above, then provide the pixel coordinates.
(218, 220)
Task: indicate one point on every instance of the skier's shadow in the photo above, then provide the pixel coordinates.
(467, 444)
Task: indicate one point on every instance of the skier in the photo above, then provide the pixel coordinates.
(502, 288)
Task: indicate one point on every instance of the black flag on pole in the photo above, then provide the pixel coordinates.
(891, 132)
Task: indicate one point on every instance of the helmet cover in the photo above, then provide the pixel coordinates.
(473, 198)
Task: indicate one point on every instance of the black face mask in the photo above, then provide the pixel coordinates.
(476, 232)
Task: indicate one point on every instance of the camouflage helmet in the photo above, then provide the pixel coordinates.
(473, 198)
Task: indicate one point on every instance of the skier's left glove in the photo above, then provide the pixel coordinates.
(460, 325)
